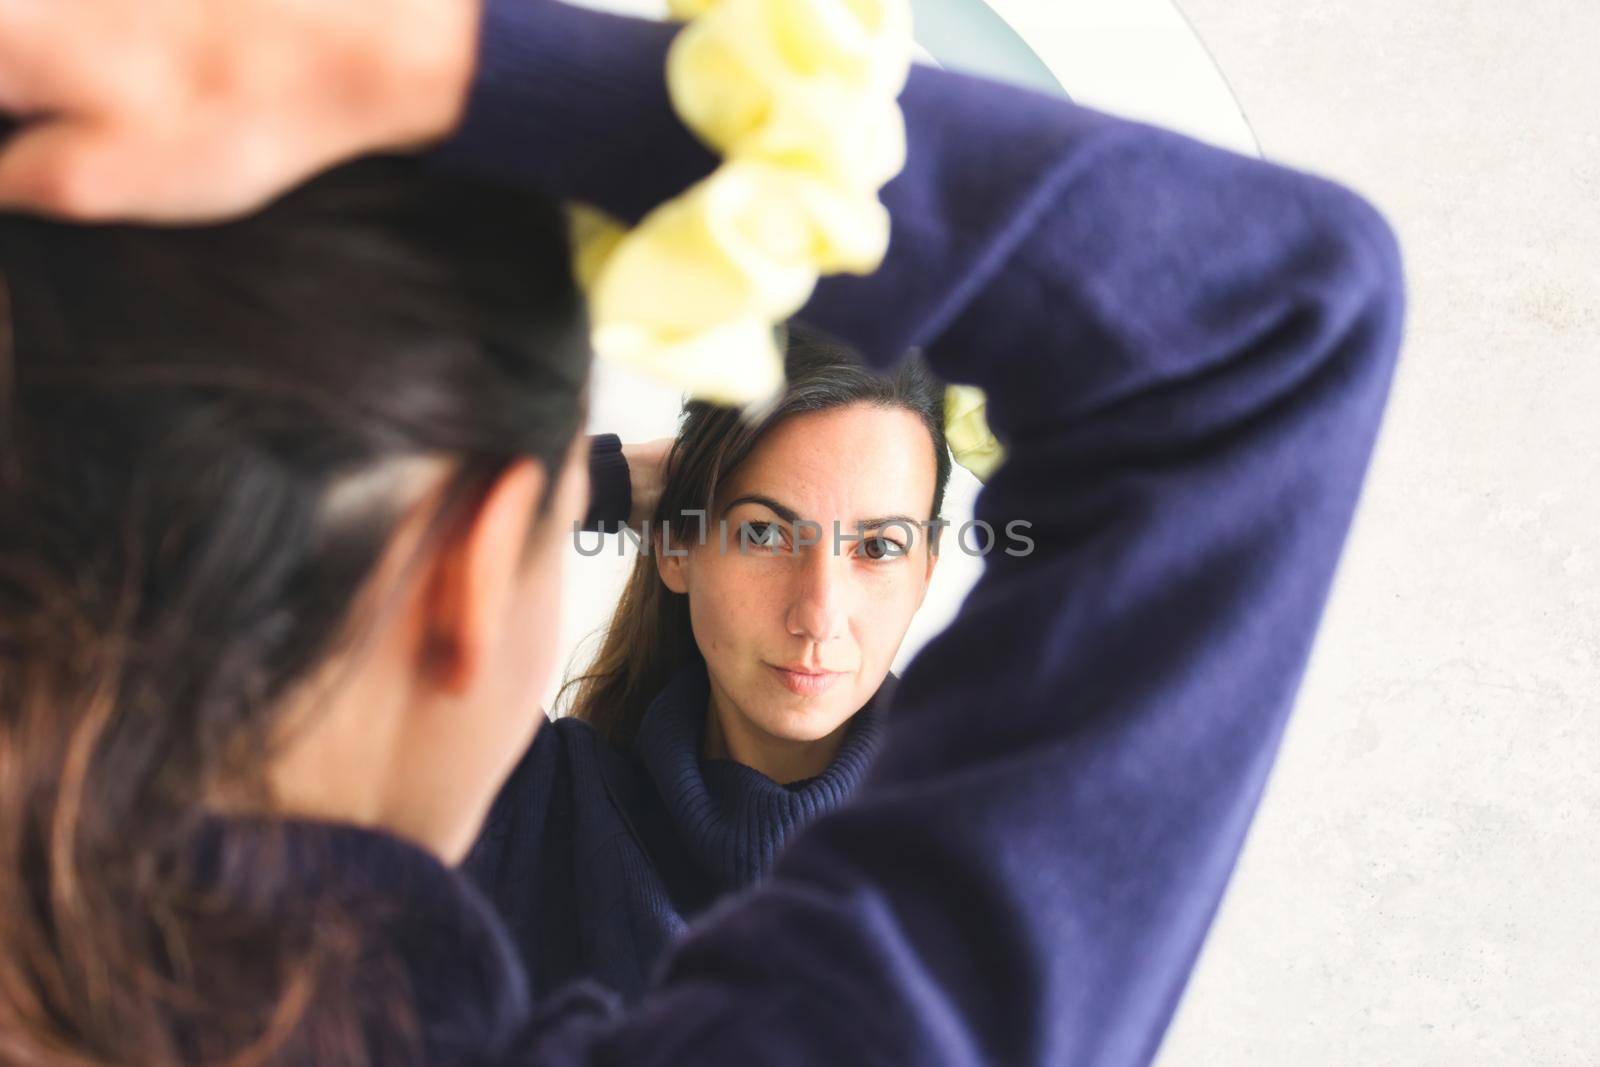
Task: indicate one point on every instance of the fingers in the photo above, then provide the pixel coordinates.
(40, 44)
(59, 168)
(17, 32)
(41, 165)
(89, 172)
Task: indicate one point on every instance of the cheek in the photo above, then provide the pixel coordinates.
(884, 615)
(732, 605)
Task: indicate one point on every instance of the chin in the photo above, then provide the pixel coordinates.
(803, 720)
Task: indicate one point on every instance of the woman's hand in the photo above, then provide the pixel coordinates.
(190, 110)
(647, 471)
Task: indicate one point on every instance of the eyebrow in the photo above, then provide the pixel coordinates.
(891, 520)
(789, 515)
(785, 513)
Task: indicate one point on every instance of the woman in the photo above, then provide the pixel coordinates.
(695, 750)
(247, 467)
(1186, 352)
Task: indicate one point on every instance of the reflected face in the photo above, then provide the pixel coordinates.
(798, 636)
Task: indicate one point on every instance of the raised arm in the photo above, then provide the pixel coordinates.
(1187, 352)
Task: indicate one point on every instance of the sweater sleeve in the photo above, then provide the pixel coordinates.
(1187, 353)
(610, 485)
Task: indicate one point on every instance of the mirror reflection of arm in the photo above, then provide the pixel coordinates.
(610, 486)
(1186, 353)
(625, 482)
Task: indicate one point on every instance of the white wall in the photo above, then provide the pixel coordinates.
(1421, 885)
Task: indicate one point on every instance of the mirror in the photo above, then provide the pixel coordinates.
(1138, 58)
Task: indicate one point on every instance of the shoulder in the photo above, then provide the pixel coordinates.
(550, 756)
(568, 769)
(599, 773)
(560, 747)
(574, 733)
(586, 760)
(534, 795)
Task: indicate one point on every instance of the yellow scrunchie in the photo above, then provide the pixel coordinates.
(966, 431)
(800, 98)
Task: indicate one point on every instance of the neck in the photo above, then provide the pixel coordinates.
(731, 736)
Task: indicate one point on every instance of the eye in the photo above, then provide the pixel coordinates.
(761, 534)
(882, 548)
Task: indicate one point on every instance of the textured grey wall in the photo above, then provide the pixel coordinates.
(1421, 886)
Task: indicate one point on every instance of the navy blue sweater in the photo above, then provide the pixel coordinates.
(597, 859)
(1187, 353)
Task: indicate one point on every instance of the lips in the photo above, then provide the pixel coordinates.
(804, 682)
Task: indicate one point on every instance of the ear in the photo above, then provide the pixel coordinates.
(673, 569)
(475, 576)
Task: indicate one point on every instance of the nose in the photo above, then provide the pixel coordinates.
(819, 601)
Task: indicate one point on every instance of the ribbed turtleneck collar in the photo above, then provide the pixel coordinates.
(732, 819)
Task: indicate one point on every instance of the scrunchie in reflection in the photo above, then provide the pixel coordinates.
(966, 431)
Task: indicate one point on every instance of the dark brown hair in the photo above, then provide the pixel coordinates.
(650, 637)
(177, 408)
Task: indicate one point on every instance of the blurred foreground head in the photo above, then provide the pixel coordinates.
(247, 471)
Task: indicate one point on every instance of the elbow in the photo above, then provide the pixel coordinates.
(1367, 273)
(1355, 312)
(1385, 285)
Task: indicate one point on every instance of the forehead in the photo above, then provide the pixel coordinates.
(855, 462)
